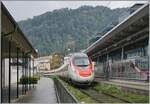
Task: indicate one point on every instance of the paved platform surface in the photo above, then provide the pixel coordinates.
(44, 92)
(13, 92)
(129, 84)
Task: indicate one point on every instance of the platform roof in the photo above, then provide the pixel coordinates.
(137, 23)
(11, 31)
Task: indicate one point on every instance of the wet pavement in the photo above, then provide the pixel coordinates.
(44, 92)
(13, 92)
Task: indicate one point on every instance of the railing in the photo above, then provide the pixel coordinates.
(63, 95)
(125, 69)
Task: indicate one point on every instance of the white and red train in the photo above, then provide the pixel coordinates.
(79, 69)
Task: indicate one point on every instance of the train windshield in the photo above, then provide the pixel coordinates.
(81, 61)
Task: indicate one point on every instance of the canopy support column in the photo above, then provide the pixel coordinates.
(122, 53)
(9, 83)
(33, 69)
(1, 71)
(23, 64)
(17, 72)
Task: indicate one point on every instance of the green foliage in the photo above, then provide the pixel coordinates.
(29, 80)
(61, 29)
(116, 91)
(53, 77)
(55, 61)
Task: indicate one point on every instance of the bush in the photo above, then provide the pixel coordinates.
(29, 80)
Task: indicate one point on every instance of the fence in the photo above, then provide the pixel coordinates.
(63, 95)
(136, 69)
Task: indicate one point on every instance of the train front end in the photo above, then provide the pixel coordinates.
(81, 69)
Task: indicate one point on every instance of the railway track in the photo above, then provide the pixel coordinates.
(99, 97)
(102, 97)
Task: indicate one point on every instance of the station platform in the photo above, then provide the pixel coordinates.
(44, 92)
(13, 93)
(142, 87)
(134, 84)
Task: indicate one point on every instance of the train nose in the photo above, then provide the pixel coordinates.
(85, 73)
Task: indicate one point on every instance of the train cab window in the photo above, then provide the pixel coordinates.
(81, 61)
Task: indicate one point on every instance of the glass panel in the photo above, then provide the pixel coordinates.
(81, 61)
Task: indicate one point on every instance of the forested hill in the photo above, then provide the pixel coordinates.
(61, 29)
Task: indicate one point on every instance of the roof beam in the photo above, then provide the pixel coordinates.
(126, 41)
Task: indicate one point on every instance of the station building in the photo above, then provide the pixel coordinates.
(122, 53)
(17, 58)
(43, 63)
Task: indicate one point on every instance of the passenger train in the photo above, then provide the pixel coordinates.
(80, 69)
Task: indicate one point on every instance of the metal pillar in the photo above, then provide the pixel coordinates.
(22, 72)
(9, 90)
(30, 72)
(17, 72)
(25, 67)
(27, 74)
(107, 57)
(107, 67)
(122, 53)
(33, 69)
(1, 70)
(148, 53)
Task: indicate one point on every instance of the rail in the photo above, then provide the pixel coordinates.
(63, 95)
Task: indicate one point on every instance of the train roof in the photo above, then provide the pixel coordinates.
(79, 55)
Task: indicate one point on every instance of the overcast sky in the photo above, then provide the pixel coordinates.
(22, 10)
